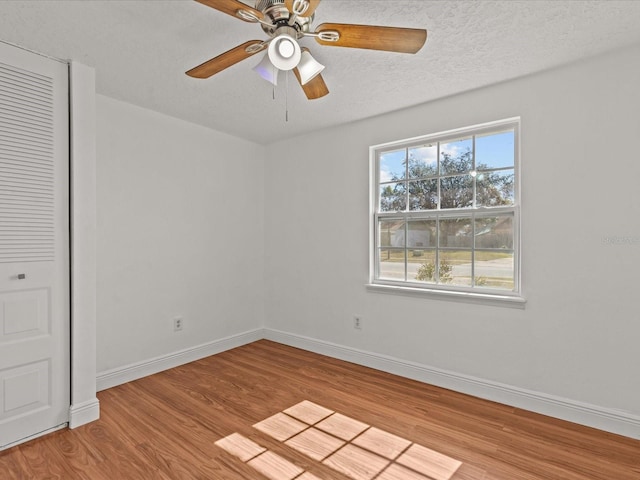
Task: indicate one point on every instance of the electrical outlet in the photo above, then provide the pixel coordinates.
(178, 323)
(357, 322)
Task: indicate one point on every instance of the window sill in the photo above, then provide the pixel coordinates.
(466, 297)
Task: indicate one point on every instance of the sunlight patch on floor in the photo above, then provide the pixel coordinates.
(348, 446)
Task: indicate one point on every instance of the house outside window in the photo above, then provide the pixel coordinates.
(445, 212)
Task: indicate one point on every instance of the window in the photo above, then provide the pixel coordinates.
(445, 212)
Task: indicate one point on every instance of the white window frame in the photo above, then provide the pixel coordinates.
(446, 291)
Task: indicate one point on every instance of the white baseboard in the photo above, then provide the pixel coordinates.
(610, 420)
(83, 413)
(128, 373)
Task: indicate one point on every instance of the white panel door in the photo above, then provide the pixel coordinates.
(34, 245)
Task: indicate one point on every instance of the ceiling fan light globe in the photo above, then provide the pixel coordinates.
(284, 52)
(308, 68)
(286, 48)
(267, 70)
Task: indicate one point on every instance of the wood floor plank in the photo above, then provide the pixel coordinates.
(14, 466)
(43, 461)
(164, 427)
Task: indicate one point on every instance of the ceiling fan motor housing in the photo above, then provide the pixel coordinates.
(276, 13)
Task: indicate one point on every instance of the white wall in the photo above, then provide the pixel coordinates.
(578, 336)
(179, 233)
(236, 237)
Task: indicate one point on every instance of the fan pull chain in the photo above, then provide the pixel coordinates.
(286, 98)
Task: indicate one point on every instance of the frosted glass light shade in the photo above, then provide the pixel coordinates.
(267, 70)
(308, 67)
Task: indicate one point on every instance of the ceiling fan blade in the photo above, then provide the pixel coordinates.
(313, 4)
(224, 60)
(390, 39)
(231, 7)
(314, 88)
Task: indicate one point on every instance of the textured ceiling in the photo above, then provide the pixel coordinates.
(141, 49)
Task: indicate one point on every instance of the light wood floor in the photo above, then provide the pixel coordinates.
(166, 427)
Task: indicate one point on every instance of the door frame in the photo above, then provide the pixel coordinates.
(85, 406)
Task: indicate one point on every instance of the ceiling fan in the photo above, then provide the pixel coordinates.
(288, 21)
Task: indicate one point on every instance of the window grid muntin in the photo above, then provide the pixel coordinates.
(473, 212)
(474, 175)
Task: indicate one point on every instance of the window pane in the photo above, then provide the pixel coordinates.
(391, 266)
(494, 232)
(391, 233)
(495, 188)
(495, 151)
(494, 270)
(446, 215)
(455, 267)
(456, 156)
(422, 234)
(423, 194)
(423, 161)
(392, 166)
(456, 192)
(456, 232)
(421, 266)
(393, 197)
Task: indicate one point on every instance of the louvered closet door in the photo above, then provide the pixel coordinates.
(34, 245)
